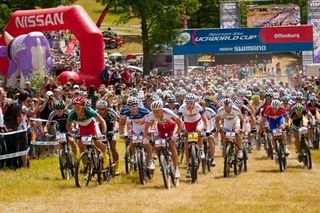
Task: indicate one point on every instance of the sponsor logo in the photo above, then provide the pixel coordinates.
(250, 48)
(287, 35)
(41, 20)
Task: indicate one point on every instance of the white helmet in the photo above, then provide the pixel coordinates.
(156, 105)
(275, 103)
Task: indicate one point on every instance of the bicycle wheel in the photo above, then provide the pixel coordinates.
(83, 176)
(306, 153)
(62, 164)
(244, 160)
(99, 168)
(258, 139)
(235, 163)
(316, 138)
(180, 150)
(128, 160)
(227, 161)
(281, 156)
(140, 160)
(269, 147)
(193, 164)
(164, 171)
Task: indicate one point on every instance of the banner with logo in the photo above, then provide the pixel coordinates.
(229, 15)
(244, 40)
(314, 20)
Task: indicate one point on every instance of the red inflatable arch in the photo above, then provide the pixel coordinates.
(74, 18)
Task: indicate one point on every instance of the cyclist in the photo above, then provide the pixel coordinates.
(194, 117)
(172, 105)
(110, 116)
(275, 113)
(211, 115)
(59, 116)
(86, 119)
(232, 117)
(297, 114)
(167, 121)
(137, 116)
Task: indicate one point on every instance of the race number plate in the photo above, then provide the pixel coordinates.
(230, 135)
(61, 137)
(86, 139)
(160, 142)
(136, 138)
(277, 132)
(303, 130)
(192, 137)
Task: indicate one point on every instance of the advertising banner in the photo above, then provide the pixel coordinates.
(244, 40)
(314, 20)
(229, 15)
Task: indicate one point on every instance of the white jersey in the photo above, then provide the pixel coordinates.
(211, 116)
(234, 114)
(192, 116)
(168, 115)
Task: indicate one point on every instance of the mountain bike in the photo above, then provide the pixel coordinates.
(205, 163)
(139, 159)
(304, 155)
(245, 150)
(192, 139)
(180, 148)
(94, 163)
(268, 144)
(110, 170)
(65, 158)
(230, 155)
(316, 134)
(280, 155)
(166, 163)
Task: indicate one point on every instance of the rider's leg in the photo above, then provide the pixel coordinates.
(102, 147)
(296, 141)
(173, 149)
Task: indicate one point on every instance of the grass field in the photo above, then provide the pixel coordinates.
(262, 189)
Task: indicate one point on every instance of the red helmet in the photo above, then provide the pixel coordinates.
(79, 100)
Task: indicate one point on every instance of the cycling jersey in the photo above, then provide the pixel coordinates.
(245, 110)
(61, 120)
(166, 124)
(313, 109)
(86, 124)
(275, 118)
(211, 115)
(297, 120)
(110, 118)
(138, 121)
(230, 120)
(192, 116)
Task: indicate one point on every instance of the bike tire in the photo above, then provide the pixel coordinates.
(127, 160)
(180, 151)
(140, 161)
(79, 178)
(269, 146)
(306, 153)
(281, 156)
(164, 171)
(316, 138)
(204, 166)
(244, 160)
(62, 164)
(100, 165)
(193, 164)
(258, 141)
(227, 162)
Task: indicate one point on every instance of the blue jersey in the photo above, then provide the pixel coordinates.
(139, 118)
(175, 109)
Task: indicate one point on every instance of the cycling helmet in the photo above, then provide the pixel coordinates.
(155, 97)
(87, 102)
(255, 97)
(156, 105)
(285, 99)
(275, 104)
(298, 107)
(132, 101)
(276, 95)
(299, 94)
(190, 98)
(171, 99)
(134, 92)
(269, 94)
(241, 92)
(238, 103)
(227, 102)
(60, 104)
(248, 93)
(207, 98)
(102, 104)
(79, 100)
(281, 90)
(312, 99)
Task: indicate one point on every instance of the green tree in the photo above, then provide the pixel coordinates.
(9, 6)
(207, 16)
(160, 21)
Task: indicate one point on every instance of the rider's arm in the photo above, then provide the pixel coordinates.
(243, 121)
(253, 120)
(146, 128)
(69, 126)
(179, 124)
(218, 118)
(122, 124)
(102, 123)
(205, 120)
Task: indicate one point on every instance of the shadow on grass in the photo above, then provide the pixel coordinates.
(222, 177)
(261, 158)
(300, 166)
(268, 171)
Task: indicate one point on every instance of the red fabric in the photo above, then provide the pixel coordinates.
(191, 127)
(126, 76)
(166, 128)
(88, 130)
